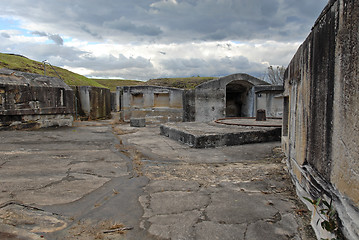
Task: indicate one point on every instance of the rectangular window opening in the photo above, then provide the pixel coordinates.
(162, 100)
(137, 100)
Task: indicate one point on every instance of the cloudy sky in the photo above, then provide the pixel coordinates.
(143, 39)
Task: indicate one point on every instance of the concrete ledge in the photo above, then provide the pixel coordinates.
(18, 122)
(207, 135)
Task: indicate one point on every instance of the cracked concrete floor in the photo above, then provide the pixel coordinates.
(67, 183)
(237, 192)
(76, 183)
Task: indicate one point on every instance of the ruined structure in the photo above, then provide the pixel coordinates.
(32, 100)
(237, 95)
(92, 102)
(155, 104)
(321, 117)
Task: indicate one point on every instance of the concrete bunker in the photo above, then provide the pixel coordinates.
(233, 96)
(32, 100)
(236, 95)
(153, 103)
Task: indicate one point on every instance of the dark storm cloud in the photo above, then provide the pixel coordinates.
(173, 21)
(168, 37)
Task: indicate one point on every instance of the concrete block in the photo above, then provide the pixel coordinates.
(138, 122)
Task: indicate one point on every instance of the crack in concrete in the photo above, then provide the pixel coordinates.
(68, 178)
(245, 232)
(2, 164)
(14, 202)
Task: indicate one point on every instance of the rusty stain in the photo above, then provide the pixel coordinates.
(220, 121)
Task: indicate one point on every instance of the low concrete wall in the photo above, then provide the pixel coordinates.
(92, 102)
(320, 128)
(155, 104)
(32, 100)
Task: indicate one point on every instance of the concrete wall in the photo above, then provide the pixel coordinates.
(189, 106)
(114, 102)
(211, 97)
(269, 98)
(155, 104)
(32, 100)
(93, 102)
(321, 117)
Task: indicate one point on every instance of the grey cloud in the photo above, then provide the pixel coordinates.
(57, 39)
(86, 29)
(167, 22)
(212, 66)
(112, 63)
(5, 35)
(54, 37)
(127, 26)
(161, 22)
(41, 34)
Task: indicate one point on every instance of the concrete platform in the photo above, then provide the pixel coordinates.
(207, 135)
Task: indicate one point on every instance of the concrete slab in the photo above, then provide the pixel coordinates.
(207, 135)
(74, 183)
(59, 183)
(214, 193)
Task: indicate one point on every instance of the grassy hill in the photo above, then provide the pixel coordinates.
(185, 83)
(113, 83)
(21, 63)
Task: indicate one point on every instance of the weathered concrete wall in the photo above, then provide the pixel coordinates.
(269, 98)
(321, 131)
(93, 102)
(211, 97)
(189, 106)
(114, 102)
(155, 104)
(32, 100)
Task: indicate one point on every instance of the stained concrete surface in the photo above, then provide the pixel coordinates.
(211, 134)
(73, 180)
(76, 183)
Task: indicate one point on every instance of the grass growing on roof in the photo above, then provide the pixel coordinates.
(23, 64)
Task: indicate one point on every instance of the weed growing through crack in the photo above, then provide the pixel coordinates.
(328, 215)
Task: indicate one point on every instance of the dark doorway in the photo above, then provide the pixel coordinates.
(237, 98)
(233, 104)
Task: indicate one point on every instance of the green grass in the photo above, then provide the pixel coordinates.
(23, 64)
(113, 83)
(185, 83)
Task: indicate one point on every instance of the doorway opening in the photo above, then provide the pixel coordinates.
(237, 98)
